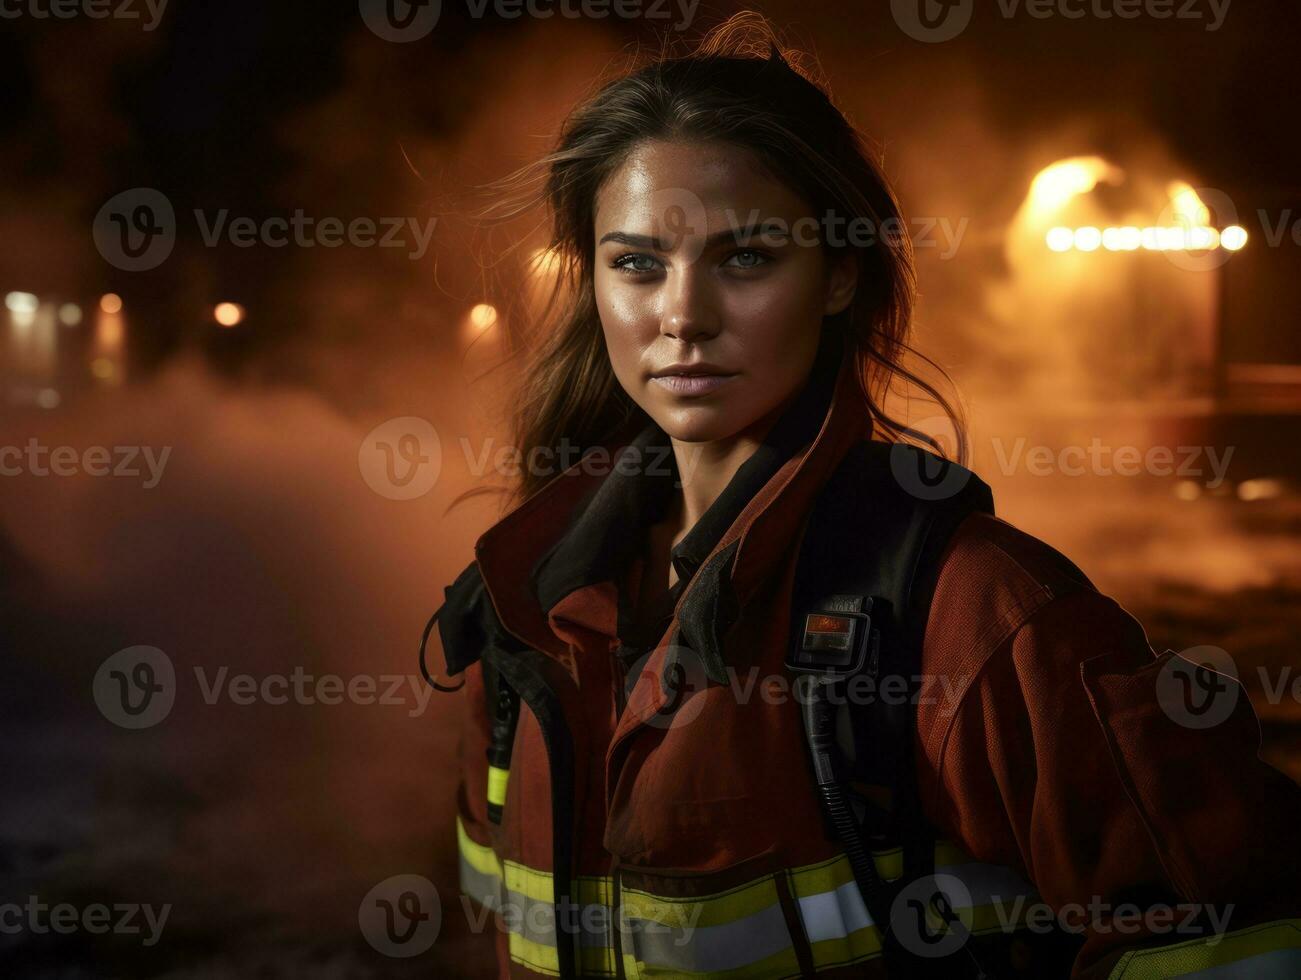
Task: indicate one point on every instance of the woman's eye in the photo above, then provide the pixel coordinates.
(746, 259)
(636, 263)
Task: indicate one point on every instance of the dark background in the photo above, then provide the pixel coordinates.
(264, 547)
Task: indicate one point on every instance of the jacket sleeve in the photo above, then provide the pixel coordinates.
(1155, 832)
(462, 629)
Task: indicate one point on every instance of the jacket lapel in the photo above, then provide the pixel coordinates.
(762, 537)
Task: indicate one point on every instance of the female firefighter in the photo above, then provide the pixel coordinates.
(754, 689)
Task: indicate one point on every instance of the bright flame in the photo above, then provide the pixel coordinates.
(228, 314)
(1056, 184)
(110, 303)
(1187, 205)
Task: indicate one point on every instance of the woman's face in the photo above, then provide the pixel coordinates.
(703, 258)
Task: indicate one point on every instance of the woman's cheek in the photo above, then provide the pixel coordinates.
(628, 329)
(774, 318)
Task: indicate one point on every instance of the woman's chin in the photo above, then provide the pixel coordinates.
(700, 423)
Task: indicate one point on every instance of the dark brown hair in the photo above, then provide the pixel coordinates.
(739, 86)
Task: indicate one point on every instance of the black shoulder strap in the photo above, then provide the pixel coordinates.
(878, 530)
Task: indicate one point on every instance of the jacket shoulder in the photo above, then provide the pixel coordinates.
(993, 576)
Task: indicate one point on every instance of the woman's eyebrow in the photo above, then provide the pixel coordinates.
(769, 227)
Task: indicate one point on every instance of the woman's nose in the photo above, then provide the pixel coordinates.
(690, 312)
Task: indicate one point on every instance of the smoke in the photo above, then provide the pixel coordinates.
(261, 551)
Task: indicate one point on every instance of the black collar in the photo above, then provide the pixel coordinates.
(609, 529)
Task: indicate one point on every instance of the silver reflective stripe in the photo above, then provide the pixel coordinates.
(484, 887)
(535, 920)
(710, 949)
(834, 914)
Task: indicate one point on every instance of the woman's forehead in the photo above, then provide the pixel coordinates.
(660, 182)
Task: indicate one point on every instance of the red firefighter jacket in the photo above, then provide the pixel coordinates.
(1073, 790)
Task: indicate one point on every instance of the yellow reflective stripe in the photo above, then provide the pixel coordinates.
(597, 959)
(782, 964)
(544, 959)
(480, 857)
(860, 945)
(1277, 946)
(716, 909)
(836, 922)
(947, 853)
(824, 877)
(497, 777)
(533, 885)
(834, 872)
(840, 927)
(539, 886)
(529, 882)
(536, 956)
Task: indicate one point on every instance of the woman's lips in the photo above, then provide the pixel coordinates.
(693, 384)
